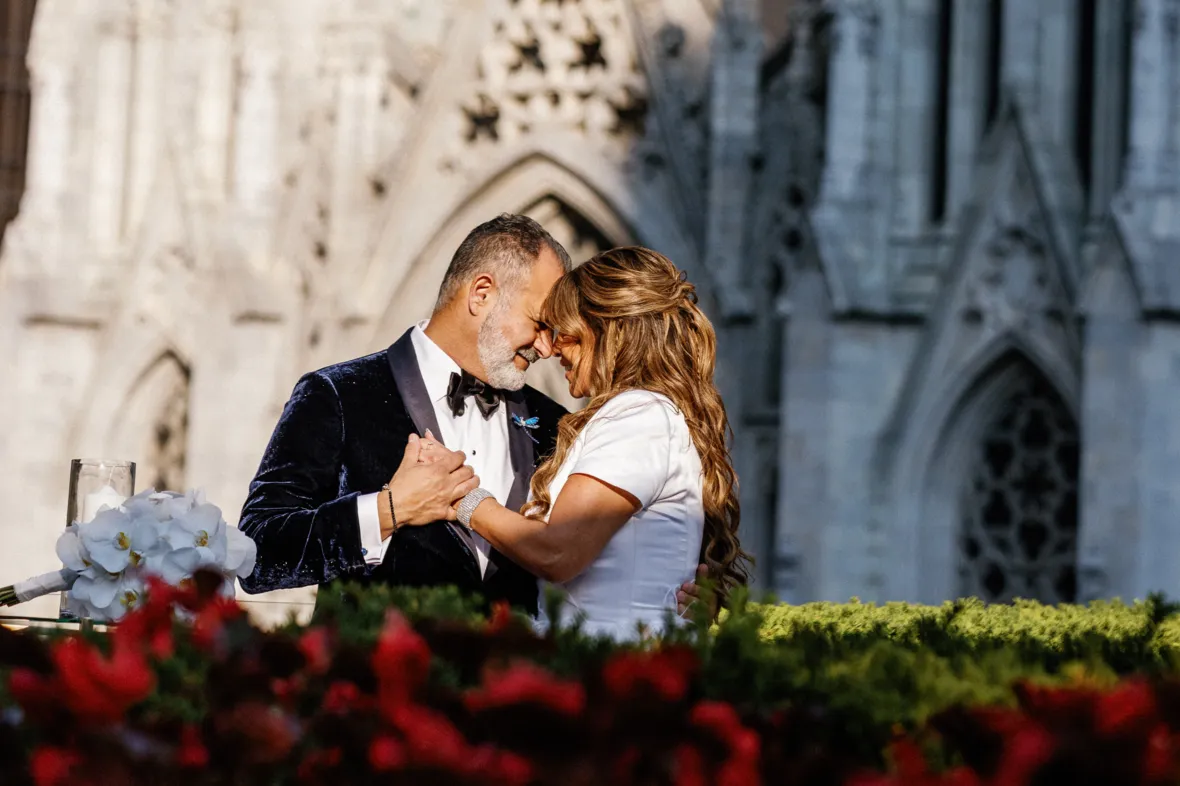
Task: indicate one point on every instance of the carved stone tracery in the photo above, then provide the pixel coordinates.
(567, 64)
(1020, 507)
(1013, 286)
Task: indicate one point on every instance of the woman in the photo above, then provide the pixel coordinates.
(640, 485)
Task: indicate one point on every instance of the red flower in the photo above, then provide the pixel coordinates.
(1160, 758)
(265, 734)
(192, 751)
(690, 767)
(745, 746)
(1025, 752)
(718, 717)
(401, 660)
(665, 673)
(286, 691)
(497, 766)
(386, 753)
(314, 763)
(341, 697)
(209, 626)
(909, 761)
(430, 738)
(35, 693)
(149, 626)
(50, 766)
(99, 689)
(315, 646)
(1045, 703)
(1121, 709)
(527, 683)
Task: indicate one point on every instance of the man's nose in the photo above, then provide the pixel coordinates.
(544, 345)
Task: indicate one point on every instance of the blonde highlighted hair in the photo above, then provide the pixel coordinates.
(640, 327)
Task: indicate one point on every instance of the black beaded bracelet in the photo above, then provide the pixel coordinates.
(392, 513)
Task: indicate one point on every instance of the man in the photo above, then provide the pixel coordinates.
(341, 477)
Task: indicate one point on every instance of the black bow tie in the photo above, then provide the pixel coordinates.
(487, 398)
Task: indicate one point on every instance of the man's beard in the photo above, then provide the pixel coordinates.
(497, 355)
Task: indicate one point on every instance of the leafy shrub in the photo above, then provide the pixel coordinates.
(420, 686)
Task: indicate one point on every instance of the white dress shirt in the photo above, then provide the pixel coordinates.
(484, 441)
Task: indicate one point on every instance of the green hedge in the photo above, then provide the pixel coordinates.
(841, 679)
(1141, 637)
(873, 669)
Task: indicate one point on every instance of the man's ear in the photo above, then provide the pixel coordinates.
(481, 293)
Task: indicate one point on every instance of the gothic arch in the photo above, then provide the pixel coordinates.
(151, 426)
(124, 368)
(513, 178)
(935, 471)
(537, 186)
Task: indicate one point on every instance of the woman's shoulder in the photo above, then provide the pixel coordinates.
(638, 400)
(637, 406)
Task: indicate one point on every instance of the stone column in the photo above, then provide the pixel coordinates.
(1057, 73)
(148, 80)
(112, 78)
(967, 94)
(917, 66)
(1109, 99)
(256, 128)
(737, 55)
(804, 504)
(850, 84)
(357, 66)
(51, 118)
(1150, 165)
(1110, 509)
(1172, 31)
(215, 97)
(1020, 36)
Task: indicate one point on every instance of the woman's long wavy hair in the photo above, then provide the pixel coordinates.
(640, 327)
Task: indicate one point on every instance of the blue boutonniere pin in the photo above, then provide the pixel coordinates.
(528, 425)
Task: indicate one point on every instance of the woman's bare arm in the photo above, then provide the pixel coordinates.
(585, 516)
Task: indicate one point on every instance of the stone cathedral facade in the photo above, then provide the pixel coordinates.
(940, 240)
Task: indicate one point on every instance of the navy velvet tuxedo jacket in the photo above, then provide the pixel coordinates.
(342, 434)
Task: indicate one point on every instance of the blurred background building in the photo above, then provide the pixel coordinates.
(940, 240)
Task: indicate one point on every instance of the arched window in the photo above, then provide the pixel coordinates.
(16, 24)
(1020, 505)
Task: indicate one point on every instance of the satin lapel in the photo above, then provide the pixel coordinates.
(408, 379)
(407, 376)
(521, 448)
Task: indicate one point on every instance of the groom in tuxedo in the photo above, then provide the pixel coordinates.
(340, 477)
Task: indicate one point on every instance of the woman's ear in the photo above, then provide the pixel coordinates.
(480, 292)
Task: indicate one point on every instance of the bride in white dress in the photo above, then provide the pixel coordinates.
(640, 487)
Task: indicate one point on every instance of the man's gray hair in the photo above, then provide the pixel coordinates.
(507, 246)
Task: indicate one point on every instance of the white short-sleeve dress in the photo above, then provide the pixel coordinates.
(638, 442)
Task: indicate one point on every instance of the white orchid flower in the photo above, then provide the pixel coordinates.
(114, 540)
(107, 597)
(201, 528)
(179, 565)
(160, 505)
(241, 553)
(72, 553)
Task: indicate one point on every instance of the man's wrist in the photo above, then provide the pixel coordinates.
(391, 514)
(388, 509)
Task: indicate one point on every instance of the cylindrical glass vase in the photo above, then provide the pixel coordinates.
(95, 484)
